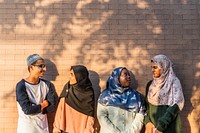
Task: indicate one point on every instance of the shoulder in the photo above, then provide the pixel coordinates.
(20, 84)
(147, 87)
(149, 83)
(176, 80)
(138, 95)
(20, 89)
(48, 83)
(104, 93)
(176, 83)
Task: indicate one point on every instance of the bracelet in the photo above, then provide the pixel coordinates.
(154, 129)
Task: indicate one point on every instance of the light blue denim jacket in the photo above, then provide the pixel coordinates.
(117, 120)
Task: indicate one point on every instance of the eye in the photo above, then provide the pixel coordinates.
(154, 67)
(71, 74)
(125, 75)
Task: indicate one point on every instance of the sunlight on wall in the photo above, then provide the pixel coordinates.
(100, 34)
(156, 29)
(85, 26)
(39, 18)
(38, 22)
(198, 73)
(193, 117)
(46, 2)
(142, 4)
(95, 54)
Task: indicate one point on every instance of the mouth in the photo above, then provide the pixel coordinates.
(129, 80)
(42, 72)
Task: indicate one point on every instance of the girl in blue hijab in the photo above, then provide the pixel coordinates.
(120, 108)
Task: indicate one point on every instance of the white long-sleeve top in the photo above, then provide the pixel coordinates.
(117, 120)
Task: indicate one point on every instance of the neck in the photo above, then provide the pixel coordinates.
(32, 79)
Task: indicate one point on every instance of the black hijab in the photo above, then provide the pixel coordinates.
(80, 96)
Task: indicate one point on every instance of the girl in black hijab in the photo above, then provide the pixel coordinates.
(75, 113)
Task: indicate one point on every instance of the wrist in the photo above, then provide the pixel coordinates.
(44, 104)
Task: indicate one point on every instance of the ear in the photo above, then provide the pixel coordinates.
(31, 67)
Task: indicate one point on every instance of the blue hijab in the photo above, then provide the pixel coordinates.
(118, 96)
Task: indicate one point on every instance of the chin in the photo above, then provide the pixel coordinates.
(126, 86)
(41, 75)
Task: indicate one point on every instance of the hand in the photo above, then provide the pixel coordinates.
(149, 127)
(44, 104)
(156, 131)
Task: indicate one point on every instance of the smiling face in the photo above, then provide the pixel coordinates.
(38, 68)
(125, 79)
(155, 70)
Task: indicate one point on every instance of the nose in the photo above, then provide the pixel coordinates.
(44, 69)
(128, 77)
(152, 69)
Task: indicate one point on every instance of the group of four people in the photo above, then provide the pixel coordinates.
(120, 109)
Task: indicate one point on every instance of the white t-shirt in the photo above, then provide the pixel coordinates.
(36, 123)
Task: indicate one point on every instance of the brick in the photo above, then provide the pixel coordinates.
(190, 16)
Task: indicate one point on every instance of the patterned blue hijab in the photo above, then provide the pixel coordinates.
(118, 96)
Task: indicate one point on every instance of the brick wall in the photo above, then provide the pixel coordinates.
(101, 35)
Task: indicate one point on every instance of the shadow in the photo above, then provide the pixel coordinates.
(187, 86)
(51, 72)
(9, 94)
(51, 115)
(134, 85)
(134, 82)
(94, 77)
(51, 75)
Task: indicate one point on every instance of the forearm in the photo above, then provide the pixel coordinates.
(104, 121)
(169, 116)
(137, 124)
(52, 99)
(30, 109)
(23, 100)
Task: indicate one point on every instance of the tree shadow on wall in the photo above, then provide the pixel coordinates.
(119, 31)
(38, 20)
(125, 31)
